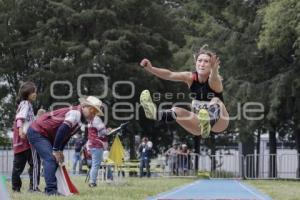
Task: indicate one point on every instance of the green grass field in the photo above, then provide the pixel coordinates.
(127, 189)
(278, 190)
(136, 189)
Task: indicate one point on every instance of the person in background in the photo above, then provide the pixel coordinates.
(22, 152)
(79, 143)
(97, 142)
(87, 157)
(145, 156)
(184, 159)
(171, 155)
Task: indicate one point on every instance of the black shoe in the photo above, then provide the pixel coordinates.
(92, 185)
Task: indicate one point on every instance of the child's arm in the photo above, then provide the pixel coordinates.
(21, 134)
(20, 128)
(22, 113)
(100, 126)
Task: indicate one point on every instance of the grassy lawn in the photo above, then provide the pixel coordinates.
(127, 189)
(136, 189)
(278, 190)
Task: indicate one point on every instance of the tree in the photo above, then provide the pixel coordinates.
(280, 37)
(44, 41)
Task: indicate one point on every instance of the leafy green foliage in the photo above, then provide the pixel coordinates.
(257, 42)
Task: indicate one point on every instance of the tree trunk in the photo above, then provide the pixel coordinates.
(297, 136)
(213, 152)
(248, 153)
(197, 151)
(132, 152)
(129, 132)
(258, 152)
(273, 153)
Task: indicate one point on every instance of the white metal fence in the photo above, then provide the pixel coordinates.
(7, 157)
(272, 166)
(6, 160)
(283, 166)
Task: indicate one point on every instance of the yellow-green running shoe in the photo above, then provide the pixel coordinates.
(204, 123)
(148, 105)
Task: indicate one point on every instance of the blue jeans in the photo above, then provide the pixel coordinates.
(44, 149)
(144, 163)
(97, 157)
(109, 173)
(76, 159)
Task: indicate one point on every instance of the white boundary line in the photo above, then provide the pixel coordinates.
(260, 197)
(177, 190)
(250, 191)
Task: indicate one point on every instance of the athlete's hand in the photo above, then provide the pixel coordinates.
(146, 63)
(59, 156)
(215, 62)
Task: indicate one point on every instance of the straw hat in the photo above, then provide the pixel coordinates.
(93, 102)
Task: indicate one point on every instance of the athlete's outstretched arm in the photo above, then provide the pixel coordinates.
(215, 80)
(166, 74)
